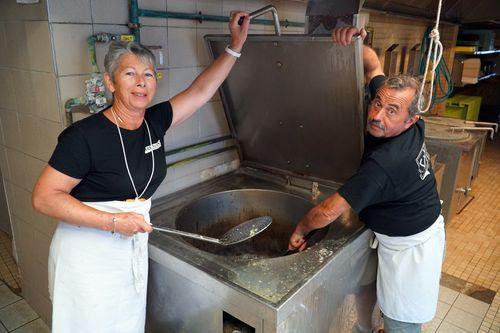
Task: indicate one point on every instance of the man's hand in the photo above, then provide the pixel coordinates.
(371, 63)
(238, 32)
(344, 35)
(297, 241)
(318, 217)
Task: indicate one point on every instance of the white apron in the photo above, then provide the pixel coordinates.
(409, 269)
(98, 280)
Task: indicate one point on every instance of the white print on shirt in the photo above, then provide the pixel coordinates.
(423, 162)
(152, 147)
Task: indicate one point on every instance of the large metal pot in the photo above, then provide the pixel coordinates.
(214, 214)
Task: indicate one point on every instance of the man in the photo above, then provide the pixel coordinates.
(394, 193)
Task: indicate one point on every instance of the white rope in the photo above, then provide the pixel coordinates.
(436, 49)
(137, 196)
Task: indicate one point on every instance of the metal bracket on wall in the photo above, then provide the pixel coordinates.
(315, 191)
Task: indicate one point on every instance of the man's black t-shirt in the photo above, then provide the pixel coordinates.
(394, 191)
(90, 150)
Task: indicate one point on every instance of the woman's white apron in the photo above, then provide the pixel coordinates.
(409, 269)
(98, 280)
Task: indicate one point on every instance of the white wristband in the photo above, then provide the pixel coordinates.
(231, 52)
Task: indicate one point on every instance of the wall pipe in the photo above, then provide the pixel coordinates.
(134, 25)
(136, 12)
(101, 37)
(197, 145)
(200, 156)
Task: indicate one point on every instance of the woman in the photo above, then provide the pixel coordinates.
(99, 182)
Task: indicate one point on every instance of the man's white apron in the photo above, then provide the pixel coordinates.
(409, 269)
(98, 280)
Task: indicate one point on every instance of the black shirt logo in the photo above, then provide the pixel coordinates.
(423, 162)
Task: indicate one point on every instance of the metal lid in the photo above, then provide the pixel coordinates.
(294, 103)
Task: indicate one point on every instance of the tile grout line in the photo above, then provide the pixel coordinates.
(19, 300)
(3, 307)
(1, 322)
(15, 329)
(444, 317)
(22, 299)
(456, 325)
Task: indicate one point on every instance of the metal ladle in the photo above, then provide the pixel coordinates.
(238, 234)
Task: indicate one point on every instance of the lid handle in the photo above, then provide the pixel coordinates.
(263, 10)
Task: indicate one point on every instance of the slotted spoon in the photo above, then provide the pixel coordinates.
(238, 234)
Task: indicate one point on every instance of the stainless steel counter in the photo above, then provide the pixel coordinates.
(306, 291)
(460, 159)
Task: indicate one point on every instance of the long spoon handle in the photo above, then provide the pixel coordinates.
(188, 234)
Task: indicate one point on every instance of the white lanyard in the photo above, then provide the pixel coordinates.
(137, 196)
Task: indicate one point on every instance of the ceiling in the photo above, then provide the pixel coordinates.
(459, 11)
(478, 13)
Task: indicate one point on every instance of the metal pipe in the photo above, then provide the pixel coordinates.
(134, 25)
(197, 145)
(483, 123)
(68, 108)
(200, 156)
(101, 37)
(200, 17)
(479, 129)
(135, 12)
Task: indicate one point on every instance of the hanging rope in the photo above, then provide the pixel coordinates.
(436, 50)
(444, 83)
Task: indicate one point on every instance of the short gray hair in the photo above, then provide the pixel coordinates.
(403, 81)
(117, 49)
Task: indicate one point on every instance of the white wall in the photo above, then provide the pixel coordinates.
(44, 62)
(30, 122)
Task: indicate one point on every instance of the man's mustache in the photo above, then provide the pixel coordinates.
(376, 123)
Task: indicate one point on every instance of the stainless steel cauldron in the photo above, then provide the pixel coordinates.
(216, 213)
(298, 128)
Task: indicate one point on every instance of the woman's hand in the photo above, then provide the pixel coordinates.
(205, 85)
(129, 224)
(238, 32)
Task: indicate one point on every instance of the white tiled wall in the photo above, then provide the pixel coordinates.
(74, 11)
(44, 61)
(8, 100)
(38, 45)
(70, 46)
(110, 11)
(30, 121)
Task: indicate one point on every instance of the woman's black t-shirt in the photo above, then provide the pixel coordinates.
(90, 150)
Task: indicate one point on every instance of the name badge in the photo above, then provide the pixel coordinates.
(152, 147)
